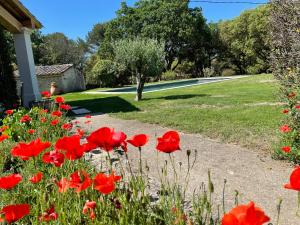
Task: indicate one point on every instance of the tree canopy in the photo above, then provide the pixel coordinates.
(247, 41)
(143, 57)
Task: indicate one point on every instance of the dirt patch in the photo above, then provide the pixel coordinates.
(268, 81)
(265, 104)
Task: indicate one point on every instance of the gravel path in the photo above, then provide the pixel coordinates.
(254, 174)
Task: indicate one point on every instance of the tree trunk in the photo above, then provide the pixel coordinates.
(140, 81)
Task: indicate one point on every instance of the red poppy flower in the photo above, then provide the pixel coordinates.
(54, 122)
(43, 120)
(63, 185)
(3, 128)
(43, 111)
(89, 205)
(80, 132)
(124, 146)
(297, 106)
(106, 138)
(49, 215)
(54, 157)
(56, 113)
(71, 145)
(169, 142)
(13, 213)
(46, 94)
(25, 119)
(138, 140)
(294, 180)
(67, 126)
(285, 111)
(286, 149)
(78, 183)
(3, 137)
(105, 184)
(245, 214)
(65, 107)
(87, 147)
(118, 138)
(36, 178)
(32, 149)
(10, 181)
(59, 99)
(292, 95)
(88, 116)
(285, 129)
(31, 131)
(9, 112)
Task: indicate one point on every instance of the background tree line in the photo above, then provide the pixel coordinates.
(192, 47)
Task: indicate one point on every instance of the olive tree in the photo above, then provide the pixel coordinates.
(143, 57)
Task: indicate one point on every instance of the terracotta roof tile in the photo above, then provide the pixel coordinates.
(49, 70)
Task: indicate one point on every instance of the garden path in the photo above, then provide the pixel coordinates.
(253, 173)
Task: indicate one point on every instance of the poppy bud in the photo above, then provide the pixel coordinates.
(188, 152)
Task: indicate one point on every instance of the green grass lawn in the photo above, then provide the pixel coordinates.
(243, 111)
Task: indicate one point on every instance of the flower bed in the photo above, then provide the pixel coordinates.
(46, 178)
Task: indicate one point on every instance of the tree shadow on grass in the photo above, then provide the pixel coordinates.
(112, 104)
(177, 97)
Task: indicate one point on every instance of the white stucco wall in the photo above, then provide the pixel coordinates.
(69, 81)
(72, 81)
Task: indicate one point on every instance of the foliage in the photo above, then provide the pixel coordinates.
(184, 69)
(285, 64)
(247, 41)
(143, 57)
(105, 73)
(228, 72)
(8, 92)
(96, 36)
(181, 28)
(169, 75)
(58, 49)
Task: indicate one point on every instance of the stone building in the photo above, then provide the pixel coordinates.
(66, 78)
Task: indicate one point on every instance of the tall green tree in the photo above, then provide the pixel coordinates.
(59, 49)
(8, 93)
(143, 57)
(170, 21)
(96, 36)
(247, 40)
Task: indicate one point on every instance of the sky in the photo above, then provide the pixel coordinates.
(75, 18)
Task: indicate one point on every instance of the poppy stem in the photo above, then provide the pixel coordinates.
(223, 202)
(129, 165)
(141, 168)
(110, 162)
(278, 211)
(34, 163)
(173, 165)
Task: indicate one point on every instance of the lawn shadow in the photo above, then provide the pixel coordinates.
(177, 97)
(112, 104)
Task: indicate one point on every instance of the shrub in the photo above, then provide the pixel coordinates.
(209, 72)
(105, 73)
(169, 75)
(185, 69)
(285, 65)
(228, 72)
